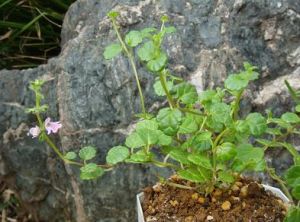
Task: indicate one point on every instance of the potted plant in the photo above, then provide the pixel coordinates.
(201, 137)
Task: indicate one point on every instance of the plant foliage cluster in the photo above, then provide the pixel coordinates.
(200, 136)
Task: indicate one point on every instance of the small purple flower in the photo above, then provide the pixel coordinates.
(52, 126)
(34, 131)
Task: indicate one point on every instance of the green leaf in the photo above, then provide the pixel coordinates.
(70, 155)
(170, 29)
(113, 14)
(117, 154)
(200, 160)
(180, 156)
(246, 152)
(90, 171)
(158, 63)
(169, 120)
(148, 136)
(133, 38)
(146, 32)
(140, 157)
(226, 151)
(238, 82)
(257, 124)
(147, 124)
(292, 176)
(209, 96)
(213, 124)
(203, 136)
(147, 51)
(296, 192)
(186, 93)
(220, 112)
(290, 117)
(158, 89)
(197, 175)
(280, 123)
(235, 82)
(134, 141)
(249, 158)
(297, 108)
(189, 125)
(293, 214)
(87, 153)
(112, 50)
(200, 142)
(225, 177)
(163, 139)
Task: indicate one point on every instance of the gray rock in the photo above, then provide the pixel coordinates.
(96, 99)
(210, 31)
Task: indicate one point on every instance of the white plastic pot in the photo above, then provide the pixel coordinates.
(140, 197)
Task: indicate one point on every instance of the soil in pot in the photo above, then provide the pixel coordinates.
(245, 201)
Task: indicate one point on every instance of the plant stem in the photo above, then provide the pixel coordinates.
(190, 111)
(237, 105)
(163, 164)
(281, 183)
(132, 63)
(53, 146)
(47, 139)
(203, 123)
(179, 185)
(162, 78)
(214, 155)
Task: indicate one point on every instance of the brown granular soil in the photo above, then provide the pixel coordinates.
(245, 201)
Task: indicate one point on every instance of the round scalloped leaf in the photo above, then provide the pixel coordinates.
(112, 50)
(225, 177)
(186, 93)
(226, 151)
(158, 89)
(70, 155)
(257, 123)
(133, 38)
(158, 63)
(90, 171)
(169, 120)
(147, 51)
(87, 153)
(117, 154)
(200, 160)
(290, 117)
(292, 176)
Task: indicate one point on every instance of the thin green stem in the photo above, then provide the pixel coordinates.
(132, 63)
(53, 146)
(162, 78)
(190, 111)
(214, 155)
(47, 139)
(179, 185)
(281, 183)
(163, 164)
(236, 107)
(203, 123)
